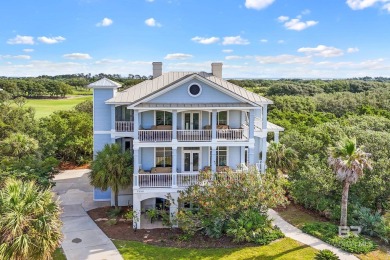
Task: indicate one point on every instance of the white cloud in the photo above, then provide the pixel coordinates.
(17, 57)
(280, 41)
(283, 59)
(28, 50)
(386, 7)
(109, 61)
(105, 22)
(51, 40)
(264, 40)
(283, 18)
(150, 1)
(236, 57)
(77, 56)
(204, 40)
(306, 11)
(297, 25)
(362, 4)
(322, 51)
(19, 39)
(258, 4)
(234, 40)
(352, 50)
(178, 56)
(227, 51)
(152, 23)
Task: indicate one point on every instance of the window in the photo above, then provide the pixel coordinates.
(221, 159)
(163, 118)
(194, 90)
(163, 157)
(222, 118)
(123, 114)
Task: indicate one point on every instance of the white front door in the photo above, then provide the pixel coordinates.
(191, 121)
(191, 161)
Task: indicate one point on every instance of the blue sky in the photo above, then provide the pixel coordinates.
(253, 38)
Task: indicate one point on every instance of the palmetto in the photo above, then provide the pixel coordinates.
(348, 161)
(30, 225)
(280, 158)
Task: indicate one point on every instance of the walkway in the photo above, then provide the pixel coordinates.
(83, 239)
(296, 234)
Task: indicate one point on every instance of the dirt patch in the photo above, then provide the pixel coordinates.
(160, 237)
(72, 166)
(292, 207)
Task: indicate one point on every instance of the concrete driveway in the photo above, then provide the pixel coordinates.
(82, 237)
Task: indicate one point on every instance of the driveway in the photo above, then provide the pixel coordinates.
(82, 237)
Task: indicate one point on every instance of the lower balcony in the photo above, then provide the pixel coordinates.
(165, 180)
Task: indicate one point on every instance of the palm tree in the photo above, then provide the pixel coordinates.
(348, 161)
(30, 225)
(112, 169)
(19, 145)
(281, 158)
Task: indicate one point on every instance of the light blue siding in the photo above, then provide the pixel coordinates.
(257, 149)
(102, 112)
(147, 160)
(100, 195)
(205, 157)
(180, 95)
(205, 118)
(235, 119)
(147, 119)
(234, 156)
(99, 141)
(179, 159)
(179, 120)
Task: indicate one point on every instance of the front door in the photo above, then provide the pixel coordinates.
(191, 161)
(191, 120)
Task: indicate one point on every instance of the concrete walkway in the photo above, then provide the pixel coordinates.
(296, 234)
(83, 239)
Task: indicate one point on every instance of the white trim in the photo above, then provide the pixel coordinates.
(102, 132)
(191, 152)
(191, 119)
(189, 92)
(216, 158)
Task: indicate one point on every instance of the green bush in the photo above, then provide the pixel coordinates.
(329, 233)
(326, 255)
(113, 213)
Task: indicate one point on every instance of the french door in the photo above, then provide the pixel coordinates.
(191, 161)
(191, 121)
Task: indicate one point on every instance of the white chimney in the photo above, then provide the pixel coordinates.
(157, 69)
(216, 69)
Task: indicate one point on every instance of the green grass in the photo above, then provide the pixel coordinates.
(44, 107)
(59, 254)
(285, 248)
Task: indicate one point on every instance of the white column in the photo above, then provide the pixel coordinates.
(137, 213)
(136, 167)
(263, 153)
(173, 209)
(242, 154)
(136, 125)
(276, 137)
(264, 117)
(213, 159)
(251, 123)
(214, 125)
(174, 167)
(174, 125)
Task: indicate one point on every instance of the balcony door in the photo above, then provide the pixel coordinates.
(191, 159)
(191, 121)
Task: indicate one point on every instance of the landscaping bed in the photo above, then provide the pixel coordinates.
(166, 237)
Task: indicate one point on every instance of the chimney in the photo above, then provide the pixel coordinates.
(157, 69)
(216, 69)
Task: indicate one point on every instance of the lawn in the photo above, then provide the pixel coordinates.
(44, 107)
(285, 248)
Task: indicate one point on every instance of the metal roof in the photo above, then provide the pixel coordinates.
(273, 127)
(149, 87)
(105, 83)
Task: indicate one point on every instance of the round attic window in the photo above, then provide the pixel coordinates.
(194, 90)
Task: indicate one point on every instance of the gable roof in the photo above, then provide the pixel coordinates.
(149, 87)
(105, 83)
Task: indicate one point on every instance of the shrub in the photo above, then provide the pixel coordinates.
(326, 255)
(329, 233)
(113, 213)
(111, 222)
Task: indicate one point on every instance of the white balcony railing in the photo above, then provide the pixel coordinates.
(187, 179)
(155, 135)
(232, 134)
(194, 135)
(156, 180)
(124, 126)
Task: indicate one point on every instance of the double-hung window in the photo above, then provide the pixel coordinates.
(163, 118)
(222, 118)
(163, 157)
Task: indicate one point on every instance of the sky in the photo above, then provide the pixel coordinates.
(252, 38)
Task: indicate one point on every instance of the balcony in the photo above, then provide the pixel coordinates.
(124, 126)
(165, 180)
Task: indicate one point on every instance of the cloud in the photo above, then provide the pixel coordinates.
(203, 40)
(283, 18)
(19, 39)
(258, 4)
(280, 41)
(227, 51)
(17, 57)
(363, 4)
(77, 56)
(234, 40)
(105, 22)
(283, 59)
(51, 40)
(297, 25)
(109, 61)
(152, 23)
(322, 51)
(178, 56)
(263, 40)
(236, 57)
(149, 1)
(28, 50)
(352, 50)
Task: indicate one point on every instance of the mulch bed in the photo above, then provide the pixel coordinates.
(72, 166)
(160, 236)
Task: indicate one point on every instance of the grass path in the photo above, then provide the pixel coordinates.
(285, 248)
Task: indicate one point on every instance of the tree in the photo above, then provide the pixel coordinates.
(30, 225)
(18, 145)
(113, 169)
(281, 158)
(348, 161)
